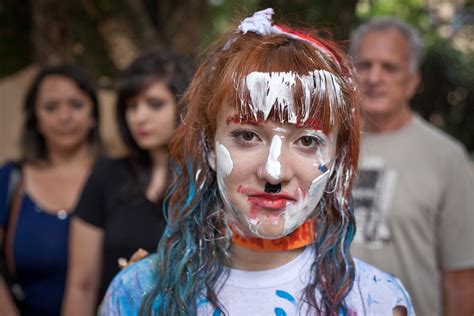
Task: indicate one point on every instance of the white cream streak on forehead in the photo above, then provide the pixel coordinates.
(280, 130)
(275, 90)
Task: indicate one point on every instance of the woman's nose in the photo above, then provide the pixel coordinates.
(277, 167)
(65, 112)
(141, 112)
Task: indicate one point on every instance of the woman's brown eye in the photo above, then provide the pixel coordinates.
(50, 106)
(156, 104)
(247, 136)
(307, 141)
(76, 104)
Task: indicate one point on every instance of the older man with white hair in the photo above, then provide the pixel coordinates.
(414, 200)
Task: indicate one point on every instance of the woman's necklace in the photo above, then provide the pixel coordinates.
(61, 214)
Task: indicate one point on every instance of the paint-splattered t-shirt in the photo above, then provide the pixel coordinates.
(274, 292)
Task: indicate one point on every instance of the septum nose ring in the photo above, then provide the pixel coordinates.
(272, 188)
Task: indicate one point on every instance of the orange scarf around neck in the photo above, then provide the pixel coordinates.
(301, 237)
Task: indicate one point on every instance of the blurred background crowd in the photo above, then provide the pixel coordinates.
(105, 35)
(135, 59)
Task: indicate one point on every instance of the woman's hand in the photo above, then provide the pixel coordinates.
(138, 255)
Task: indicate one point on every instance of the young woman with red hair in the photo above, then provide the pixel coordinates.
(259, 218)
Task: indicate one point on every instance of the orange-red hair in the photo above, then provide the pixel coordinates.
(196, 240)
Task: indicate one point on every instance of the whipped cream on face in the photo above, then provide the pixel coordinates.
(275, 90)
(298, 212)
(273, 166)
(224, 168)
(295, 213)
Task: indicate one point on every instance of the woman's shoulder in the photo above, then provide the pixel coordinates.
(110, 163)
(7, 167)
(7, 171)
(377, 292)
(108, 170)
(7, 188)
(129, 287)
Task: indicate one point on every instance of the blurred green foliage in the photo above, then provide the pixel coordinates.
(445, 96)
(224, 15)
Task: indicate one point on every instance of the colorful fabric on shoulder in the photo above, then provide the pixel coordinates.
(129, 287)
(374, 292)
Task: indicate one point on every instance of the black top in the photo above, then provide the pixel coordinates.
(128, 224)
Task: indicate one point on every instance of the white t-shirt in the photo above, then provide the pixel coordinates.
(278, 291)
(274, 292)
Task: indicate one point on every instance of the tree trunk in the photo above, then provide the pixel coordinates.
(143, 18)
(118, 41)
(51, 38)
(180, 24)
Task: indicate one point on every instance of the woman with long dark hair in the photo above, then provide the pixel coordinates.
(120, 207)
(59, 144)
(258, 217)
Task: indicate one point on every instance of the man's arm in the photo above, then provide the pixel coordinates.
(458, 292)
(456, 236)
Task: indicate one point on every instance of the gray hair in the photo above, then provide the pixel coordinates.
(390, 23)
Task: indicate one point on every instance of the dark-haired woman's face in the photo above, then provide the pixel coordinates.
(64, 113)
(151, 117)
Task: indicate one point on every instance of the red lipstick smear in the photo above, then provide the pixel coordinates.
(270, 203)
(232, 119)
(238, 119)
(259, 200)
